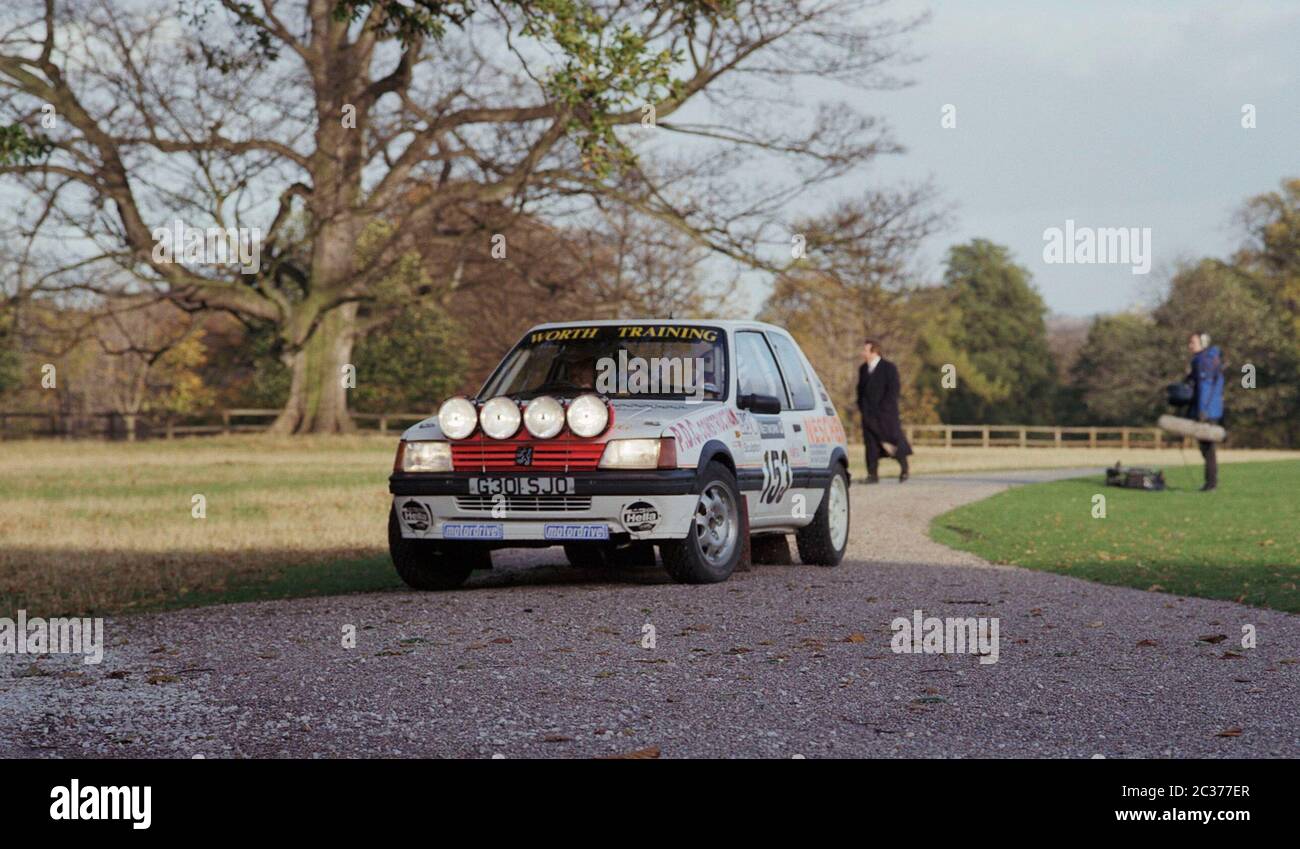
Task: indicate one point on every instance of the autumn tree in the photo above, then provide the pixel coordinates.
(314, 127)
(1003, 332)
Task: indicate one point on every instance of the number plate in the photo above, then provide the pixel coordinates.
(521, 486)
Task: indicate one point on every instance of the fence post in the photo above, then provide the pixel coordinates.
(1123, 438)
(1092, 437)
(947, 436)
(985, 434)
(383, 423)
(225, 421)
(1157, 438)
(1024, 438)
(1056, 435)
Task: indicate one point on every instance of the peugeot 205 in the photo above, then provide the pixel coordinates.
(616, 436)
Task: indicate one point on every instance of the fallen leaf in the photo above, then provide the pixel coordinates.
(1212, 638)
(1229, 732)
(648, 753)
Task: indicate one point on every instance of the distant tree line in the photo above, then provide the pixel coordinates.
(984, 331)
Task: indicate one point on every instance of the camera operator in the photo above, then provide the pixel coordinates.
(1206, 380)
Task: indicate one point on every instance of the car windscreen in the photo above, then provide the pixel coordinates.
(668, 361)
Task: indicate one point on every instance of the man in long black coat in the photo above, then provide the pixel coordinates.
(878, 390)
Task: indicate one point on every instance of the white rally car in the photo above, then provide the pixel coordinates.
(609, 437)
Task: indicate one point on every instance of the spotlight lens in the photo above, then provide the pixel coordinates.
(544, 417)
(457, 418)
(499, 418)
(588, 415)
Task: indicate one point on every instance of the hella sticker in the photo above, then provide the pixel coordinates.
(474, 530)
(416, 516)
(640, 516)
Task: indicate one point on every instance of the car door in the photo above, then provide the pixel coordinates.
(801, 404)
(757, 373)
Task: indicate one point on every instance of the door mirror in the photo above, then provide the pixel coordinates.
(759, 404)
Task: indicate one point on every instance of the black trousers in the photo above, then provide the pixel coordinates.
(1211, 458)
(1211, 463)
(875, 451)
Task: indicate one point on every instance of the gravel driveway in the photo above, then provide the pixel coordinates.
(538, 659)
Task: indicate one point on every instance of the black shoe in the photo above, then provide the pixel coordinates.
(1209, 487)
(873, 478)
(902, 477)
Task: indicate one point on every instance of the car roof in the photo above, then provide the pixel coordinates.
(724, 323)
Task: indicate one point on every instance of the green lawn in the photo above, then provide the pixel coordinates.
(1240, 543)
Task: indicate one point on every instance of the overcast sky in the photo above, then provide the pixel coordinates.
(1114, 114)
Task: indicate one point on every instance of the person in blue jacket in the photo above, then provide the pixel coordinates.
(1206, 378)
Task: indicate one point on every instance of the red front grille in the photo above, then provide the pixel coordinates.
(478, 454)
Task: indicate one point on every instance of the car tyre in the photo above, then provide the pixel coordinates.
(822, 542)
(429, 565)
(714, 545)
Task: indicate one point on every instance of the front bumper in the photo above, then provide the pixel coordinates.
(643, 505)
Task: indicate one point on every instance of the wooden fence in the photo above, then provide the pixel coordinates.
(1039, 436)
(117, 426)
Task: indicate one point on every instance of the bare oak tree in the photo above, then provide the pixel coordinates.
(353, 134)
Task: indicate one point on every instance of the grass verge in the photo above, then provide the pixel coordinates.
(1240, 543)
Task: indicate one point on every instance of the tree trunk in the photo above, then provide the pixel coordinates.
(318, 401)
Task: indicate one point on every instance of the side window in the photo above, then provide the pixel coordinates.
(756, 371)
(796, 376)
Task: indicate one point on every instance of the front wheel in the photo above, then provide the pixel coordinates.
(822, 542)
(431, 565)
(712, 547)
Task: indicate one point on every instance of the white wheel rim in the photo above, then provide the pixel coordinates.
(837, 511)
(717, 524)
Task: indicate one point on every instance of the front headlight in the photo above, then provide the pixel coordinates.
(544, 417)
(630, 454)
(426, 457)
(457, 418)
(499, 417)
(588, 416)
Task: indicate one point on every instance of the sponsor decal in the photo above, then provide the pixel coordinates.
(563, 334)
(771, 428)
(667, 331)
(415, 516)
(524, 456)
(640, 516)
(695, 432)
(474, 530)
(749, 436)
(824, 430)
(681, 332)
(573, 533)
